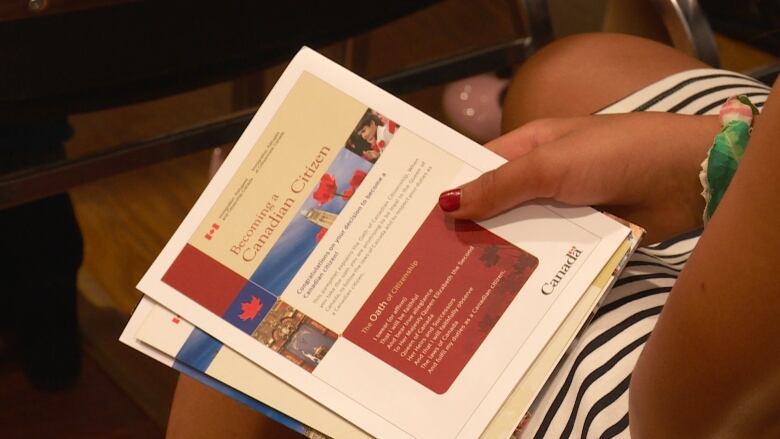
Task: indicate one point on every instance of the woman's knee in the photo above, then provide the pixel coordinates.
(581, 74)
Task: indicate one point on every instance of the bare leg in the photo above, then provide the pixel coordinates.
(201, 412)
(579, 75)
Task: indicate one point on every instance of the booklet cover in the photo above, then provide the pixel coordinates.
(318, 253)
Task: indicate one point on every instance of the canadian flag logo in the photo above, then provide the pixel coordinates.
(210, 234)
(250, 309)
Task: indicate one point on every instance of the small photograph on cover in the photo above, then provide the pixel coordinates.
(371, 135)
(318, 213)
(295, 336)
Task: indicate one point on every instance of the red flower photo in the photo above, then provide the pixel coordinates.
(357, 178)
(326, 190)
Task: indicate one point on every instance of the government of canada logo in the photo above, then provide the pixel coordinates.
(571, 257)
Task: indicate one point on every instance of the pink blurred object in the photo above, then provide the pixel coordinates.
(473, 105)
(218, 155)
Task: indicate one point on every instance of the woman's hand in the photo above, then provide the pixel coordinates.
(643, 167)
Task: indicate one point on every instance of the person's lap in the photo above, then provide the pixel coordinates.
(581, 76)
(557, 82)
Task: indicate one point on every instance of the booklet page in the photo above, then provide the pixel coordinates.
(318, 252)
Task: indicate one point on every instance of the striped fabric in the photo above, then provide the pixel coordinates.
(588, 396)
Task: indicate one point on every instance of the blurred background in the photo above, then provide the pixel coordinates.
(126, 216)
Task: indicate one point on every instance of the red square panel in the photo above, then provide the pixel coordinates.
(204, 280)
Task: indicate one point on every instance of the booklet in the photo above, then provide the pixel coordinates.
(318, 253)
(202, 357)
(284, 397)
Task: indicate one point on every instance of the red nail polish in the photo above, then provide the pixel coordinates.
(449, 201)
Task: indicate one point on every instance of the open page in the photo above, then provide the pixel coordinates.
(318, 253)
(154, 330)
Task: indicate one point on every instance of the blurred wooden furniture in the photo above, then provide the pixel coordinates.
(67, 58)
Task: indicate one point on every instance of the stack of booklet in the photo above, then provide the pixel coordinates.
(316, 279)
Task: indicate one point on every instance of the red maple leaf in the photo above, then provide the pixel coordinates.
(250, 309)
(326, 190)
(320, 234)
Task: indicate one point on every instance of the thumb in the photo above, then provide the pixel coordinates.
(528, 137)
(534, 175)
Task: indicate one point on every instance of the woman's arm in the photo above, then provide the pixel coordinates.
(712, 365)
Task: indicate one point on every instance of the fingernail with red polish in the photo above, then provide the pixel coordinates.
(449, 201)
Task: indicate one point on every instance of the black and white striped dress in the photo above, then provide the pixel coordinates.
(588, 397)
